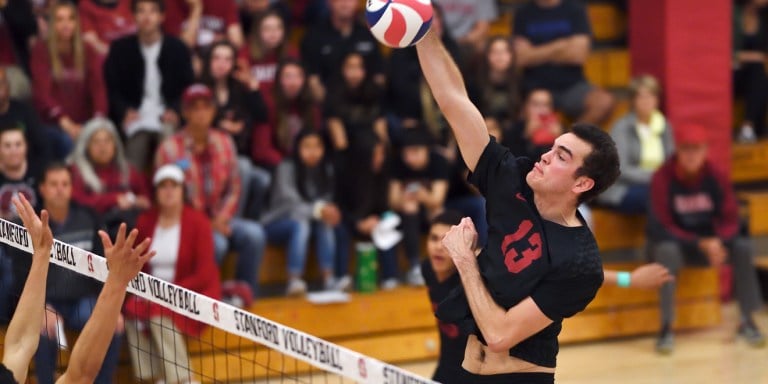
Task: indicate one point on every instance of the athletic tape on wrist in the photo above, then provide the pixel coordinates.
(302, 346)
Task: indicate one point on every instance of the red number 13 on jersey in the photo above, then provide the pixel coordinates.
(515, 260)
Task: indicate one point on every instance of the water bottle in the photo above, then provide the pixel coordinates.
(367, 267)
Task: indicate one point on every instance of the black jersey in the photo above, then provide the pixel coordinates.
(558, 267)
(453, 342)
(6, 376)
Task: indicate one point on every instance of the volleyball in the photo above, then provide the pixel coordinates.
(399, 23)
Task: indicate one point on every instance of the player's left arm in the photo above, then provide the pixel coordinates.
(501, 328)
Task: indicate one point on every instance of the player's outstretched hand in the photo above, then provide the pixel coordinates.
(123, 259)
(38, 228)
(651, 275)
(461, 240)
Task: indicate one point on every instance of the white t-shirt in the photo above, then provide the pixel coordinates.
(152, 105)
(165, 242)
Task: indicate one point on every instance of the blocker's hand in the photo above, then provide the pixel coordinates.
(38, 228)
(123, 259)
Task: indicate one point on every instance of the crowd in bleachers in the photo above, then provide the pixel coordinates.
(287, 121)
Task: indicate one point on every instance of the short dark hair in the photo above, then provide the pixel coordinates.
(13, 126)
(602, 164)
(54, 167)
(160, 4)
(447, 217)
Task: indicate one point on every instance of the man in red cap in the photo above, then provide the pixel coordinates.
(694, 220)
(212, 182)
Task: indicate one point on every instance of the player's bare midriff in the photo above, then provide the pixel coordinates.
(480, 360)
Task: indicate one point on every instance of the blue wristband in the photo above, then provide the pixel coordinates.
(623, 279)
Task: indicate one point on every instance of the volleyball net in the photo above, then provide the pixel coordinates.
(234, 345)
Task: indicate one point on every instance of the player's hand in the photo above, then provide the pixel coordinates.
(651, 275)
(125, 260)
(38, 228)
(461, 240)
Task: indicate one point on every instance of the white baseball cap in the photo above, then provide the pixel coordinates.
(168, 172)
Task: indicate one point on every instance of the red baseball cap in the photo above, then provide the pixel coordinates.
(691, 134)
(196, 92)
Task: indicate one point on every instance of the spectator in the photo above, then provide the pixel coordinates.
(417, 192)
(694, 219)
(441, 278)
(17, 174)
(104, 21)
(534, 134)
(327, 43)
(354, 105)
(496, 93)
(552, 42)
(292, 110)
(302, 203)
(408, 97)
(253, 10)
(146, 74)
(200, 23)
(18, 27)
(469, 21)
(67, 79)
(364, 201)
(70, 296)
(212, 182)
(183, 240)
(102, 178)
(644, 140)
(14, 113)
(750, 42)
(239, 106)
(267, 46)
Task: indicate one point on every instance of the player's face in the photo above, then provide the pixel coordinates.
(691, 157)
(148, 17)
(292, 80)
(56, 189)
(64, 22)
(416, 157)
(169, 194)
(311, 150)
(645, 102)
(272, 31)
(222, 61)
(500, 55)
(13, 149)
(554, 173)
(438, 255)
(101, 147)
(353, 70)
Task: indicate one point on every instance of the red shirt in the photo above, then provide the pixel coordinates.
(265, 69)
(109, 23)
(113, 186)
(80, 97)
(218, 16)
(6, 45)
(212, 178)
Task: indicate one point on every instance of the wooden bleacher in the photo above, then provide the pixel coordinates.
(398, 326)
(614, 231)
(748, 162)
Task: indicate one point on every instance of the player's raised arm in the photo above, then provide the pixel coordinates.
(448, 88)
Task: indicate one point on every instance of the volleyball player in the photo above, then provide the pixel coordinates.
(541, 262)
(124, 262)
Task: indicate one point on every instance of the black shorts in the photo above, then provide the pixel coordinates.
(512, 378)
(6, 376)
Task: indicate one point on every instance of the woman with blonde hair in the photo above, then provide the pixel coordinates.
(68, 85)
(644, 140)
(102, 178)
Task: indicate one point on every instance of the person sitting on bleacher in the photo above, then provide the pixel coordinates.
(534, 134)
(552, 43)
(70, 297)
(694, 219)
(643, 138)
(183, 240)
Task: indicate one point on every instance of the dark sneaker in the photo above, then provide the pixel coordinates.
(749, 332)
(665, 344)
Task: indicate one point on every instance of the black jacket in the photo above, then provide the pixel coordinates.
(18, 16)
(124, 74)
